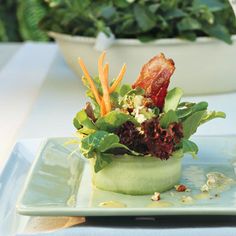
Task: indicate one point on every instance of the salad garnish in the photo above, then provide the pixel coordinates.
(143, 119)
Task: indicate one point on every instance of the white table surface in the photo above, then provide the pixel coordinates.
(7, 50)
(39, 97)
(20, 81)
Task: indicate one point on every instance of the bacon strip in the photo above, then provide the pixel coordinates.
(154, 78)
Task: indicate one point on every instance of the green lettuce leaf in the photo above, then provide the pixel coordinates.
(86, 131)
(101, 161)
(186, 111)
(136, 91)
(107, 142)
(172, 99)
(189, 147)
(115, 146)
(191, 124)
(124, 89)
(168, 118)
(91, 143)
(212, 115)
(113, 120)
(99, 145)
(82, 120)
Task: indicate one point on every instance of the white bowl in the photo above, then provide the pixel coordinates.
(202, 67)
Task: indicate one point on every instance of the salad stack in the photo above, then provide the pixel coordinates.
(141, 120)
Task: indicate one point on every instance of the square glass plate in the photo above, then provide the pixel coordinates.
(60, 184)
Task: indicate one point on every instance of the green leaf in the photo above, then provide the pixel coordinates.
(114, 97)
(102, 160)
(191, 124)
(82, 120)
(212, 115)
(188, 23)
(189, 147)
(124, 89)
(185, 112)
(114, 146)
(155, 111)
(128, 98)
(186, 104)
(113, 120)
(146, 38)
(86, 130)
(213, 5)
(121, 3)
(174, 13)
(127, 19)
(92, 142)
(154, 7)
(172, 99)
(144, 17)
(77, 124)
(168, 118)
(108, 12)
(136, 91)
(188, 35)
(100, 143)
(107, 142)
(218, 31)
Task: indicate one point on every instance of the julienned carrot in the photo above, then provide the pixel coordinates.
(103, 75)
(102, 108)
(90, 80)
(118, 80)
(105, 72)
(106, 91)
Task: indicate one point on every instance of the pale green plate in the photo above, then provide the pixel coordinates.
(60, 184)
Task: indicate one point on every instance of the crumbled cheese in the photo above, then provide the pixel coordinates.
(138, 101)
(205, 188)
(211, 181)
(186, 199)
(216, 180)
(140, 117)
(156, 196)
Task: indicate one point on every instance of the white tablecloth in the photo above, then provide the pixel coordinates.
(39, 96)
(20, 82)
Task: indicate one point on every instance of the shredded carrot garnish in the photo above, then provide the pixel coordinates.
(103, 75)
(118, 79)
(90, 80)
(106, 72)
(103, 108)
(106, 94)
(103, 100)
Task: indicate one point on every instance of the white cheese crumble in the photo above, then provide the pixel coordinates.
(205, 188)
(140, 117)
(216, 180)
(186, 199)
(156, 196)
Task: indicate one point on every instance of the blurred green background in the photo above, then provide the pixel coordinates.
(143, 19)
(19, 20)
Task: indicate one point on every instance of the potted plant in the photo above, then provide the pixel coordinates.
(196, 33)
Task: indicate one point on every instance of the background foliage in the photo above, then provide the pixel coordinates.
(143, 19)
(19, 20)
